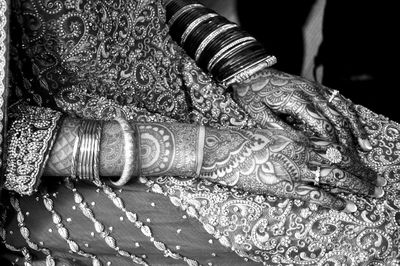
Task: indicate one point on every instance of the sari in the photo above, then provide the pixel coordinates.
(106, 59)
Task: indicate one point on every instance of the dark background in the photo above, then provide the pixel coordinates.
(359, 50)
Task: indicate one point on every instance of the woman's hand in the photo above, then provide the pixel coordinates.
(319, 110)
(269, 162)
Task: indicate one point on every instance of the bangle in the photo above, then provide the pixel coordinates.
(181, 24)
(210, 37)
(89, 150)
(182, 11)
(132, 154)
(230, 48)
(194, 24)
(249, 70)
(75, 152)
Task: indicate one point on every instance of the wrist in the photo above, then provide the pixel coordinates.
(171, 149)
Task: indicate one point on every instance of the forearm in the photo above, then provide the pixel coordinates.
(165, 149)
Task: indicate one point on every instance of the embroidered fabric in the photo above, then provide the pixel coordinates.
(102, 59)
(31, 137)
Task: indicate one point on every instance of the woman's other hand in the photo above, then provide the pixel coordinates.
(311, 107)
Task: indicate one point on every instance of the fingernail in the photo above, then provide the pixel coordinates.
(379, 192)
(365, 144)
(350, 207)
(381, 181)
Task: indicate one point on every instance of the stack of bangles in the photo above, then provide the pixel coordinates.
(216, 44)
(86, 152)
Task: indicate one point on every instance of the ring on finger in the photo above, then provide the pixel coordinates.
(334, 94)
(333, 155)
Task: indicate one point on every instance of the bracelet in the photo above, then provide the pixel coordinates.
(249, 70)
(132, 153)
(210, 37)
(194, 24)
(88, 158)
(230, 48)
(227, 53)
(75, 152)
(182, 11)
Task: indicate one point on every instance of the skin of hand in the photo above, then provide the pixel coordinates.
(261, 161)
(270, 93)
(270, 162)
(313, 110)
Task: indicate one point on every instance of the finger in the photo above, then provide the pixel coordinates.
(340, 123)
(346, 108)
(313, 121)
(327, 153)
(337, 178)
(337, 121)
(312, 194)
(259, 112)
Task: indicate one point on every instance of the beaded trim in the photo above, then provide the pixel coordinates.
(63, 231)
(3, 48)
(31, 137)
(100, 227)
(3, 237)
(145, 229)
(25, 233)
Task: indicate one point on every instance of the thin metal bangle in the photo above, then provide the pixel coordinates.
(210, 37)
(181, 11)
(245, 73)
(194, 24)
(81, 150)
(230, 48)
(75, 151)
(85, 154)
(92, 150)
(96, 165)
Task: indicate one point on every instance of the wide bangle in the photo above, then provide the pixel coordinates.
(131, 151)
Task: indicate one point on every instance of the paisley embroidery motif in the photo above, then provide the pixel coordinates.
(102, 59)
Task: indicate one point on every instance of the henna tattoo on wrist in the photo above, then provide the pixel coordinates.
(173, 149)
(59, 163)
(112, 150)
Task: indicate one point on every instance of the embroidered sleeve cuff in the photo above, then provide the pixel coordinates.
(30, 138)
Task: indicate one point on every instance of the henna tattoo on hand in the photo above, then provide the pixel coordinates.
(261, 161)
(270, 91)
(252, 160)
